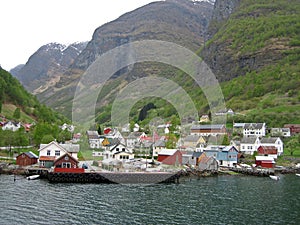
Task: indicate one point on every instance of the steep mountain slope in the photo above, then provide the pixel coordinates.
(183, 22)
(257, 51)
(13, 95)
(46, 65)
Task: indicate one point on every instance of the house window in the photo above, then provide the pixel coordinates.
(123, 149)
(66, 165)
(42, 163)
(57, 153)
(117, 149)
(48, 152)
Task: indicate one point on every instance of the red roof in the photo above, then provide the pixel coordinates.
(267, 150)
(47, 158)
(107, 130)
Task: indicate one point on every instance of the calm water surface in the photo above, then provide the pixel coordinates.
(214, 200)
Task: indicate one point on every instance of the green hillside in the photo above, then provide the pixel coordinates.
(14, 98)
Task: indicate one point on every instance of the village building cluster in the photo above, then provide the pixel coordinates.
(200, 148)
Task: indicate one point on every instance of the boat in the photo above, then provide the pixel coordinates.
(274, 177)
(32, 177)
(298, 174)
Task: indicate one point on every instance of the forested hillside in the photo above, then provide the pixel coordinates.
(19, 106)
(13, 96)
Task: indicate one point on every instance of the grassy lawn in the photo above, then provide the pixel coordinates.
(88, 155)
(8, 111)
(296, 153)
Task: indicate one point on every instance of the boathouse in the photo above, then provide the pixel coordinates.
(265, 161)
(170, 157)
(26, 159)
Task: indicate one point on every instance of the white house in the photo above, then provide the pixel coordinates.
(68, 127)
(283, 132)
(11, 126)
(249, 145)
(118, 152)
(134, 138)
(115, 134)
(53, 150)
(273, 142)
(254, 130)
(94, 140)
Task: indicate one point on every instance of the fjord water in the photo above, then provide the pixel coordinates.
(212, 200)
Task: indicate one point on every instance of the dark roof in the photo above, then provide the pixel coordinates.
(134, 135)
(248, 140)
(192, 138)
(160, 143)
(269, 140)
(31, 155)
(253, 125)
(208, 127)
(92, 134)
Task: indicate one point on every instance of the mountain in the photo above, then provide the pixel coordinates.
(179, 21)
(46, 65)
(252, 48)
(13, 96)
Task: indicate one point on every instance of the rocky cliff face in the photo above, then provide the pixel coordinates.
(221, 12)
(47, 64)
(183, 22)
(245, 36)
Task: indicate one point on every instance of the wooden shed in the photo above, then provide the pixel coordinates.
(265, 161)
(26, 159)
(170, 157)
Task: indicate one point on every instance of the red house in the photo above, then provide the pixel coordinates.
(265, 161)
(170, 157)
(66, 161)
(294, 128)
(26, 159)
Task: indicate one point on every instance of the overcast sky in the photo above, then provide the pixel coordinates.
(26, 25)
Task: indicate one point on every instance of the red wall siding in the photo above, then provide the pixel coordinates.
(70, 160)
(24, 160)
(171, 160)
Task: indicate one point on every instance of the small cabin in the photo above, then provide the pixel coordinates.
(27, 159)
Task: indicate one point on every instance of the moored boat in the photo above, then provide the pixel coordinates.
(298, 174)
(32, 177)
(274, 177)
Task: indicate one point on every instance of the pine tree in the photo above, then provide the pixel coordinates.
(17, 113)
